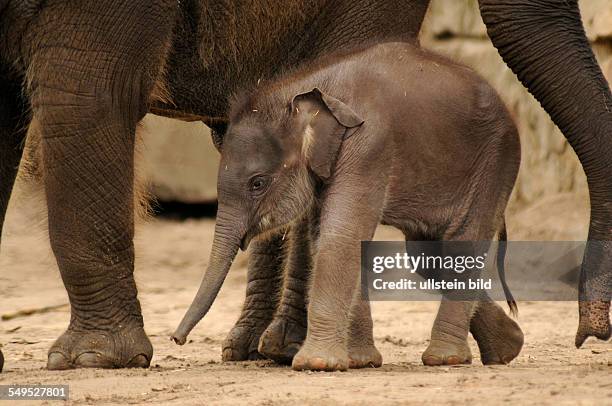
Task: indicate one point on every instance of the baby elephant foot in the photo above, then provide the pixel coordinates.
(446, 353)
(282, 340)
(241, 343)
(320, 357)
(125, 348)
(365, 356)
(499, 338)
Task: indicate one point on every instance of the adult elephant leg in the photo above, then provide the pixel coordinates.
(264, 281)
(13, 125)
(285, 334)
(544, 43)
(88, 91)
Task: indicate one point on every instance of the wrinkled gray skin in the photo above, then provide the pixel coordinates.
(388, 134)
(86, 73)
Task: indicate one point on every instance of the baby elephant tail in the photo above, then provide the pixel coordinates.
(501, 256)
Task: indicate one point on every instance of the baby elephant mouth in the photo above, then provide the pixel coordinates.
(262, 226)
(245, 241)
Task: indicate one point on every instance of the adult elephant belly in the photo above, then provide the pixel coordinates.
(221, 47)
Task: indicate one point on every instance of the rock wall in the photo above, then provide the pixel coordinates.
(549, 165)
(181, 162)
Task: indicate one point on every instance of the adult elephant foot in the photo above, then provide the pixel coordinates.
(87, 133)
(594, 321)
(282, 340)
(499, 338)
(241, 343)
(128, 347)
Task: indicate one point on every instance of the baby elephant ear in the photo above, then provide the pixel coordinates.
(327, 122)
(340, 111)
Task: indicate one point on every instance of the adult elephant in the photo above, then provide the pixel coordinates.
(87, 72)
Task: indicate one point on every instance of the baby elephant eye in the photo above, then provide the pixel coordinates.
(258, 184)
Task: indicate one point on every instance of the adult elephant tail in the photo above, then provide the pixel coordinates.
(544, 43)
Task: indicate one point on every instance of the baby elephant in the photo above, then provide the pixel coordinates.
(387, 134)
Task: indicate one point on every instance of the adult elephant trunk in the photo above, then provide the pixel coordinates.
(227, 240)
(544, 43)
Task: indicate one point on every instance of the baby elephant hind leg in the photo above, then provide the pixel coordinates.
(499, 337)
(458, 315)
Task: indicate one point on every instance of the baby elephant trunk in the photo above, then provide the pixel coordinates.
(224, 250)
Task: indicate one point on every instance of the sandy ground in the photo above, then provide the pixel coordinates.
(172, 255)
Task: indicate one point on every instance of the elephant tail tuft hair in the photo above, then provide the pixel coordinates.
(501, 256)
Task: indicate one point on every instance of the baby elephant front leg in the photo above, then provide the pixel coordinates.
(334, 283)
(362, 352)
(336, 275)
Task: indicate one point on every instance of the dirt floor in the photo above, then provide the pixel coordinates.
(171, 256)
